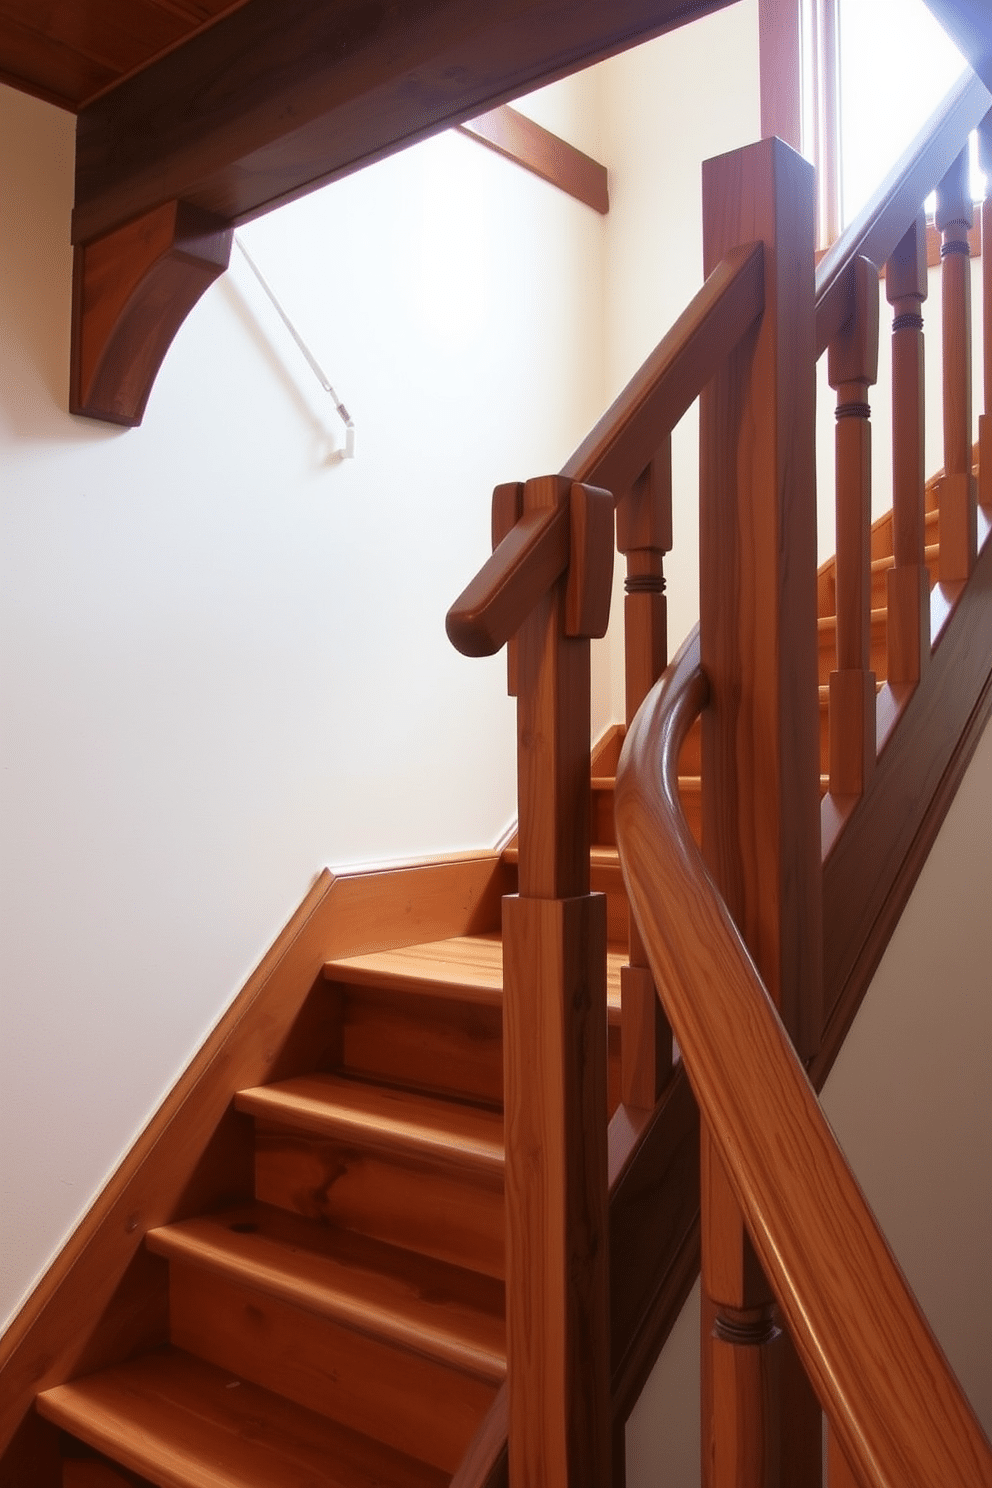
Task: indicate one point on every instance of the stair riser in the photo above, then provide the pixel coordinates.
(456, 1217)
(93, 1473)
(370, 1386)
(435, 1045)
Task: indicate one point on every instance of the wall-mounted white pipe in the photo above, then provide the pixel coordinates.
(348, 453)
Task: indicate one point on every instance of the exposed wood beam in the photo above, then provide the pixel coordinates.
(285, 95)
(521, 140)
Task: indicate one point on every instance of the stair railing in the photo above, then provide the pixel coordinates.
(733, 938)
(748, 343)
(548, 587)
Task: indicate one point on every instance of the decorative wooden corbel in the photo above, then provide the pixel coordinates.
(132, 290)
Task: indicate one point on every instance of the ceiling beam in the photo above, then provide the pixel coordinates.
(283, 96)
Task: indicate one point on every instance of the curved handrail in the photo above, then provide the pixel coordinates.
(892, 1398)
(878, 229)
(535, 551)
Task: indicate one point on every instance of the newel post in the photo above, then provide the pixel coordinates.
(760, 761)
(555, 1031)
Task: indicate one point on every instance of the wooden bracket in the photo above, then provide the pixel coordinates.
(132, 290)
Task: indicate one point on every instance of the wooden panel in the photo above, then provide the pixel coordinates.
(284, 95)
(520, 139)
(425, 1043)
(178, 1420)
(384, 1392)
(440, 1214)
(350, 914)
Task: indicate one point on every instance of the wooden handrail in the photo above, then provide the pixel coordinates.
(626, 438)
(879, 228)
(535, 552)
(893, 1400)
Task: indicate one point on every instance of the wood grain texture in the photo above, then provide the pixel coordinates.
(157, 1181)
(283, 95)
(391, 1293)
(958, 493)
(758, 587)
(897, 1410)
(186, 1424)
(529, 144)
(132, 290)
(556, 1180)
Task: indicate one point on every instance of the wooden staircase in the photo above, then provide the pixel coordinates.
(343, 1322)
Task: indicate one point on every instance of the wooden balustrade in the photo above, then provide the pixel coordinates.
(644, 536)
(958, 526)
(852, 369)
(908, 597)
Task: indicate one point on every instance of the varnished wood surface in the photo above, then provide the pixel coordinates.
(189, 1157)
(878, 228)
(628, 436)
(529, 144)
(442, 1311)
(385, 1120)
(67, 54)
(283, 95)
(898, 1412)
(187, 1424)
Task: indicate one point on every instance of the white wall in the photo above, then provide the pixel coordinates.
(222, 657)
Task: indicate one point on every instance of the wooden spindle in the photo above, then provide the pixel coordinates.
(555, 1056)
(761, 810)
(908, 628)
(985, 419)
(644, 536)
(852, 369)
(958, 523)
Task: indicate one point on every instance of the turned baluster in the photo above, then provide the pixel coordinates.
(644, 536)
(985, 421)
(958, 526)
(853, 368)
(908, 630)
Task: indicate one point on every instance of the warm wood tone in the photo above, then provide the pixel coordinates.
(310, 94)
(985, 418)
(180, 1421)
(958, 494)
(631, 432)
(68, 53)
(644, 536)
(852, 370)
(132, 290)
(556, 1180)
(189, 1158)
(780, 64)
(897, 1410)
(877, 231)
(520, 139)
(760, 736)
(908, 620)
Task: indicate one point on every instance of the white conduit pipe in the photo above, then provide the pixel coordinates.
(348, 453)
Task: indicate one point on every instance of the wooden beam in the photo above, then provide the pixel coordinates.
(132, 290)
(284, 95)
(517, 138)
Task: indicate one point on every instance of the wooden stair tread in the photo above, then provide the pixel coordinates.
(827, 623)
(466, 966)
(375, 1116)
(182, 1423)
(423, 1305)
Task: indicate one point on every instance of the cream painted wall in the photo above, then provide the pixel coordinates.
(222, 656)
